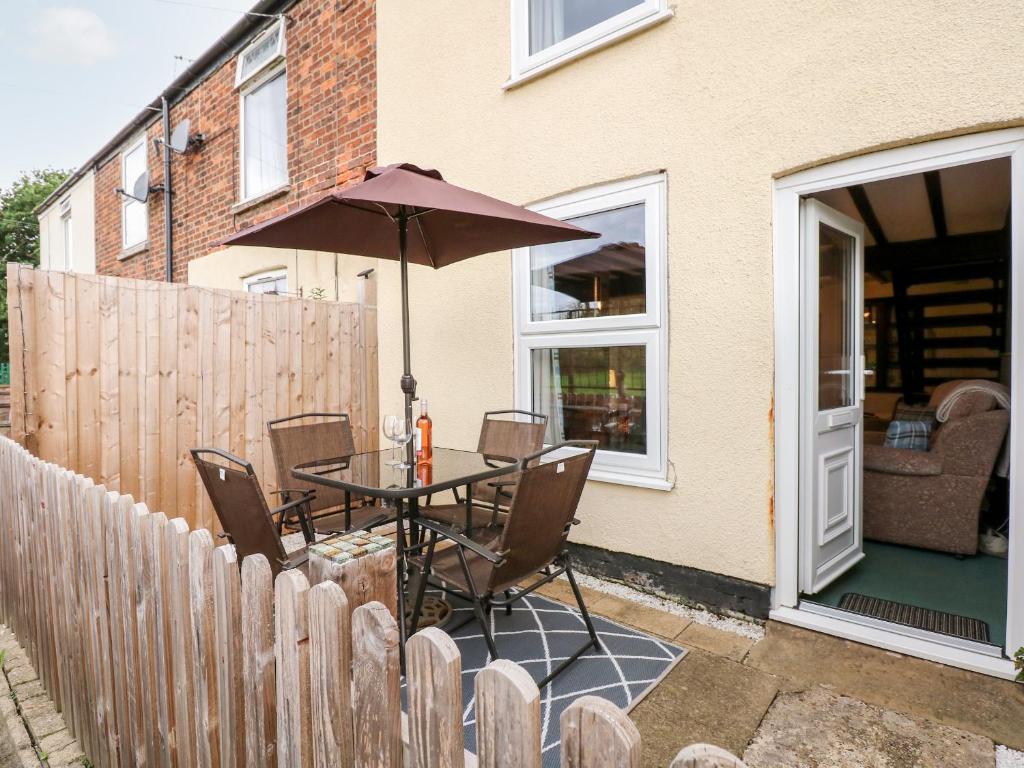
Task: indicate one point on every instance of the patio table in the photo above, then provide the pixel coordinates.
(369, 474)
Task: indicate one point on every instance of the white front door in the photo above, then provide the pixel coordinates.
(832, 394)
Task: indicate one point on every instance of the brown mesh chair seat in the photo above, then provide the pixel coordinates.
(532, 540)
(242, 509)
(507, 439)
(307, 437)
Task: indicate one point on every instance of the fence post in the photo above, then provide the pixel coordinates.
(376, 692)
(258, 668)
(200, 562)
(330, 670)
(434, 675)
(176, 545)
(507, 717)
(158, 699)
(291, 624)
(596, 733)
(706, 756)
(227, 609)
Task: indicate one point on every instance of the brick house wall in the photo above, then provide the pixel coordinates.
(331, 133)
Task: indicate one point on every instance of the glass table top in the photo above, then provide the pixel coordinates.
(370, 473)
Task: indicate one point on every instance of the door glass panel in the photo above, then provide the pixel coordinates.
(835, 331)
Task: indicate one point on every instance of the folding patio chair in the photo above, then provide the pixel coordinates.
(505, 439)
(533, 540)
(242, 509)
(307, 437)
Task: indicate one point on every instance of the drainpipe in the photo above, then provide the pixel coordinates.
(168, 249)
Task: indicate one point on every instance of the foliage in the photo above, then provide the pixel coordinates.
(318, 294)
(1018, 662)
(19, 229)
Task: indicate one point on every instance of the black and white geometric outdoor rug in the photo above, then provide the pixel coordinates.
(538, 635)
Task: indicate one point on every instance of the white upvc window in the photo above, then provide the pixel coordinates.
(264, 134)
(266, 49)
(591, 329)
(271, 281)
(134, 214)
(546, 33)
(263, 109)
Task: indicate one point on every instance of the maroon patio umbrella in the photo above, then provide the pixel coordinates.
(408, 214)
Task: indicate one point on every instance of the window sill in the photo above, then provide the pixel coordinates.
(252, 202)
(585, 49)
(133, 250)
(653, 483)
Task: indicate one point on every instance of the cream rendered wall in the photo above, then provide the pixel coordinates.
(83, 230)
(723, 97)
(335, 274)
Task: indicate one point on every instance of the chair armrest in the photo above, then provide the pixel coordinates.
(295, 562)
(899, 461)
(307, 497)
(461, 540)
(290, 491)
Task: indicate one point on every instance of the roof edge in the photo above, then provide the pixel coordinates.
(209, 61)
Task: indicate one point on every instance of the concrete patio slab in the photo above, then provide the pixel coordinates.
(716, 641)
(706, 698)
(982, 705)
(820, 729)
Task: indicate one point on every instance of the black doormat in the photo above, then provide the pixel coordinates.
(920, 618)
(538, 635)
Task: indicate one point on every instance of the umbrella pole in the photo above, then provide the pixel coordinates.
(408, 383)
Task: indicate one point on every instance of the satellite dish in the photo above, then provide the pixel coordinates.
(140, 189)
(179, 137)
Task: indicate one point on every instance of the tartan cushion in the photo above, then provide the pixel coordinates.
(925, 413)
(909, 435)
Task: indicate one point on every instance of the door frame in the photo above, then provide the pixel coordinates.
(787, 191)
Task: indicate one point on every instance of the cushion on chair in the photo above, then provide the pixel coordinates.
(925, 413)
(908, 435)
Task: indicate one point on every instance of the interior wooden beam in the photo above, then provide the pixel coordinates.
(952, 250)
(933, 183)
(867, 213)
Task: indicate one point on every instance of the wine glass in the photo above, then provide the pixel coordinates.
(390, 432)
(403, 434)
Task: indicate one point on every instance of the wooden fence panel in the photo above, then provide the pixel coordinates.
(259, 681)
(117, 378)
(507, 717)
(376, 688)
(330, 670)
(596, 733)
(291, 623)
(227, 610)
(158, 653)
(435, 700)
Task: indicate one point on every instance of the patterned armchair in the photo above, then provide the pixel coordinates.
(932, 499)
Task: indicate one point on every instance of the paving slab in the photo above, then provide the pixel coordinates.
(972, 702)
(706, 698)
(642, 617)
(716, 641)
(820, 729)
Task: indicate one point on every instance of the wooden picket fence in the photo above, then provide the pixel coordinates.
(161, 652)
(117, 378)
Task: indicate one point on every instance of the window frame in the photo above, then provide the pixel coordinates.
(250, 87)
(526, 65)
(279, 53)
(127, 200)
(67, 227)
(265, 276)
(650, 329)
